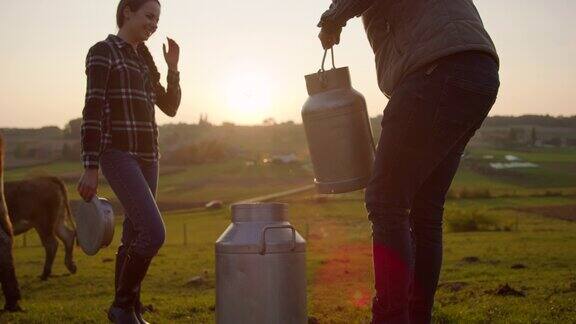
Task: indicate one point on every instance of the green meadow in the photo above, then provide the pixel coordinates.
(510, 245)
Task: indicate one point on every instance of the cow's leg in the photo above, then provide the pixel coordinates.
(51, 246)
(67, 236)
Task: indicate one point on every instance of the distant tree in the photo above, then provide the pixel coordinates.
(50, 132)
(20, 151)
(203, 121)
(554, 141)
(73, 129)
(535, 120)
(269, 121)
(198, 153)
(66, 150)
(533, 137)
(513, 135)
(171, 138)
(71, 152)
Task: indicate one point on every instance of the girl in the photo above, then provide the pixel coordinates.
(120, 136)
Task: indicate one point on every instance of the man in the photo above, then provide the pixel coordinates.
(439, 67)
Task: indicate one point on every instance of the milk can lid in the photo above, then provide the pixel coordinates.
(94, 224)
(259, 212)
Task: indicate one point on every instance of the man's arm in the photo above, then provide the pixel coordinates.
(340, 12)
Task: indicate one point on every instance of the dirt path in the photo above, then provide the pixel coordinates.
(278, 194)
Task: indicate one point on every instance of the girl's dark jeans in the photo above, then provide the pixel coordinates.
(134, 182)
(426, 125)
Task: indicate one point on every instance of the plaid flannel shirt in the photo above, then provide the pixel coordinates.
(120, 99)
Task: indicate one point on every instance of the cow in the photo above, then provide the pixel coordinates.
(42, 203)
(8, 278)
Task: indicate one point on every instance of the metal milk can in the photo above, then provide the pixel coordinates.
(260, 268)
(338, 131)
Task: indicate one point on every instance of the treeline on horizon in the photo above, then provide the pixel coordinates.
(204, 142)
(491, 121)
(532, 120)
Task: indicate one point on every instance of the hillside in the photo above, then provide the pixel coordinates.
(192, 143)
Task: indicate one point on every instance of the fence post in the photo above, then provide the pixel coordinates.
(185, 234)
(24, 240)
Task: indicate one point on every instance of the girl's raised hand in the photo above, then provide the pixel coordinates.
(172, 55)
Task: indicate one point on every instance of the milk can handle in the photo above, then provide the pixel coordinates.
(324, 59)
(263, 240)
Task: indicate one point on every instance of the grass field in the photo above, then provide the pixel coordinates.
(532, 254)
(181, 187)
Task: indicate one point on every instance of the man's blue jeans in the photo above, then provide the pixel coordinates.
(135, 182)
(426, 125)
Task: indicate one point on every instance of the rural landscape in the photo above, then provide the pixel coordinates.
(288, 162)
(509, 224)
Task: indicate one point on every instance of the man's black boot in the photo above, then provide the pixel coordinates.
(132, 272)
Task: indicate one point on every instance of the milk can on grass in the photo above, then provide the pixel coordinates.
(338, 131)
(260, 268)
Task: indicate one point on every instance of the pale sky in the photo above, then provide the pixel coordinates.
(244, 61)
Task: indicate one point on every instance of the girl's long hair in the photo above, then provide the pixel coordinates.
(135, 5)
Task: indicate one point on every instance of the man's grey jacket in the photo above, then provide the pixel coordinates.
(409, 34)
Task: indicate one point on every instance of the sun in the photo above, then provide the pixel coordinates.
(249, 97)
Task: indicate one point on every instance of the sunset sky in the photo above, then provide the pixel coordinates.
(244, 61)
